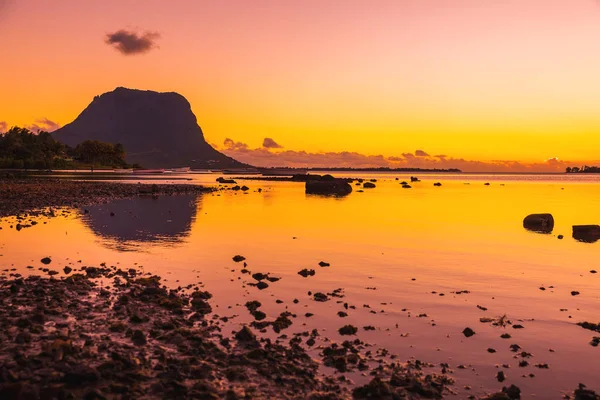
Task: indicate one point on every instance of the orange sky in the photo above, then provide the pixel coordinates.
(479, 80)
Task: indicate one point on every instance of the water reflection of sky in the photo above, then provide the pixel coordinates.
(450, 238)
(127, 225)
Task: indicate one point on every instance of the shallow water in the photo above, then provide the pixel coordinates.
(460, 236)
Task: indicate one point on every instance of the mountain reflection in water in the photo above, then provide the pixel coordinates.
(128, 224)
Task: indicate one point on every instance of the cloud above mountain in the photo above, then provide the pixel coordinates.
(269, 143)
(130, 42)
(43, 124)
(265, 157)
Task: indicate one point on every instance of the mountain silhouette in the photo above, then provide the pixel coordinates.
(157, 130)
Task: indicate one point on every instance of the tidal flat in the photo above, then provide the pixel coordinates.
(432, 291)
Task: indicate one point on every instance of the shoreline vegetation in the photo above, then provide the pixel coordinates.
(22, 149)
(583, 170)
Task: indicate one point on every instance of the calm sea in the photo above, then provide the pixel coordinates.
(400, 256)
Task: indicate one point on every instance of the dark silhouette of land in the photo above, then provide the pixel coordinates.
(583, 170)
(158, 130)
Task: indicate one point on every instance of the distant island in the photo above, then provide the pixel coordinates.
(583, 170)
(372, 169)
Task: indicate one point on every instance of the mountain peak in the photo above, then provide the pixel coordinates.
(157, 129)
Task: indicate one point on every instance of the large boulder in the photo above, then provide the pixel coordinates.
(543, 223)
(329, 187)
(586, 233)
(157, 130)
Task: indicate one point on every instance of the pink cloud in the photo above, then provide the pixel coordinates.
(43, 124)
(264, 157)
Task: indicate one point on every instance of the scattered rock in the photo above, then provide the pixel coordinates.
(542, 223)
(468, 332)
(238, 258)
(348, 330)
(586, 233)
(307, 272)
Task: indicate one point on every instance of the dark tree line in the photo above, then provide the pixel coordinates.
(583, 170)
(21, 148)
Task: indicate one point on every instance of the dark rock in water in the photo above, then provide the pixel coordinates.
(513, 392)
(335, 187)
(468, 332)
(369, 185)
(67, 270)
(590, 326)
(235, 188)
(262, 285)
(201, 306)
(595, 341)
(227, 181)
(306, 272)
(437, 184)
(245, 335)
(560, 237)
(500, 376)
(586, 233)
(585, 394)
(253, 305)
(321, 297)
(407, 186)
(574, 293)
(245, 188)
(259, 276)
(156, 129)
(543, 223)
(282, 322)
(238, 258)
(323, 264)
(46, 260)
(259, 315)
(414, 179)
(348, 330)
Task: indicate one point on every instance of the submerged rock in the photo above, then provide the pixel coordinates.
(369, 185)
(542, 223)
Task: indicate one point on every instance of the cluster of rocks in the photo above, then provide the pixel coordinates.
(40, 195)
(71, 338)
(544, 223)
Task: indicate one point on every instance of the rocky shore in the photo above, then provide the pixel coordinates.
(38, 195)
(79, 337)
